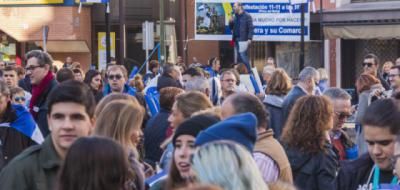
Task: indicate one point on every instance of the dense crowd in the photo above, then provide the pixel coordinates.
(196, 126)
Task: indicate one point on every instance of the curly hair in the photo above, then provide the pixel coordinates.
(308, 121)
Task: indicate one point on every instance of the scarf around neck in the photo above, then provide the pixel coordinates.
(38, 90)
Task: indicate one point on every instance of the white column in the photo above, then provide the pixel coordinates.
(326, 60)
(338, 63)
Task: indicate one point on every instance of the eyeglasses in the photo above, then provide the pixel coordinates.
(31, 68)
(229, 80)
(394, 159)
(19, 99)
(112, 77)
(367, 64)
(343, 115)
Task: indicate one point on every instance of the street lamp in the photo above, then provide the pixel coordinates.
(162, 33)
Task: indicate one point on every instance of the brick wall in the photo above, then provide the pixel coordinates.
(25, 25)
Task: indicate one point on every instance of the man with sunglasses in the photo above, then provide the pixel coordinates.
(10, 76)
(341, 102)
(117, 77)
(38, 68)
(374, 170)
(370, 65)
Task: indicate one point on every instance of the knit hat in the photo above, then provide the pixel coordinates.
(194, 125)
(240, 128)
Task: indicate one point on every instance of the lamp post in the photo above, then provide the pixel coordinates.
(302, 44)
(321, 26)
(162, 33)
(108, 39)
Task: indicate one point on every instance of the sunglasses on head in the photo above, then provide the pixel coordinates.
(367, 64)
(19, 99)
(112, 77)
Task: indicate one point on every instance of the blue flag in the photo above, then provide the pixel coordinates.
(25, 124)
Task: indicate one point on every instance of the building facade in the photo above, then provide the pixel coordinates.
(23, 26)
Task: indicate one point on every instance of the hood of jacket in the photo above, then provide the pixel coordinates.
(296, 158)
(274, 100)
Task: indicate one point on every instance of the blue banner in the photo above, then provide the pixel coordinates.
(275, 20)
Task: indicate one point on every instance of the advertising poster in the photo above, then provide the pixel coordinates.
(102, 54)
(275, 20)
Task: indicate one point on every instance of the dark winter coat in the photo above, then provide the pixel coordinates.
(35, 168)
(313, 171)
(273, 104)
(154, 135)
(42, 104)
(290, 100)
(242, 27)
(354, 173)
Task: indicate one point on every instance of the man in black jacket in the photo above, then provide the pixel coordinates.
(306, 85)
(169, 78)
(242, 32)
(374, 170)
(38, 66)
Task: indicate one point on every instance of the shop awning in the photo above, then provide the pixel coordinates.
(371, 20)
(70, 46)
(363, 32)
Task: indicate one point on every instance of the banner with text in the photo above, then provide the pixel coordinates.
(275, 20)
(30, 2)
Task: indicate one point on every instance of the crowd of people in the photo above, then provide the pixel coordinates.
(196, 126)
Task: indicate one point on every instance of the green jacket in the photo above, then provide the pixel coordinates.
(34, 169)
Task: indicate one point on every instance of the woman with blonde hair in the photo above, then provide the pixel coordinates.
(278, 87)
(184, 106)
(228, 165)
(111, 97)
(121, 120)
(306, 140)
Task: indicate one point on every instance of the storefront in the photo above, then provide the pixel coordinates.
(359, 28)
(27, 23)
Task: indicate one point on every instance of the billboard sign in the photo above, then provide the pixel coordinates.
(30, 2)
(275, 20)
